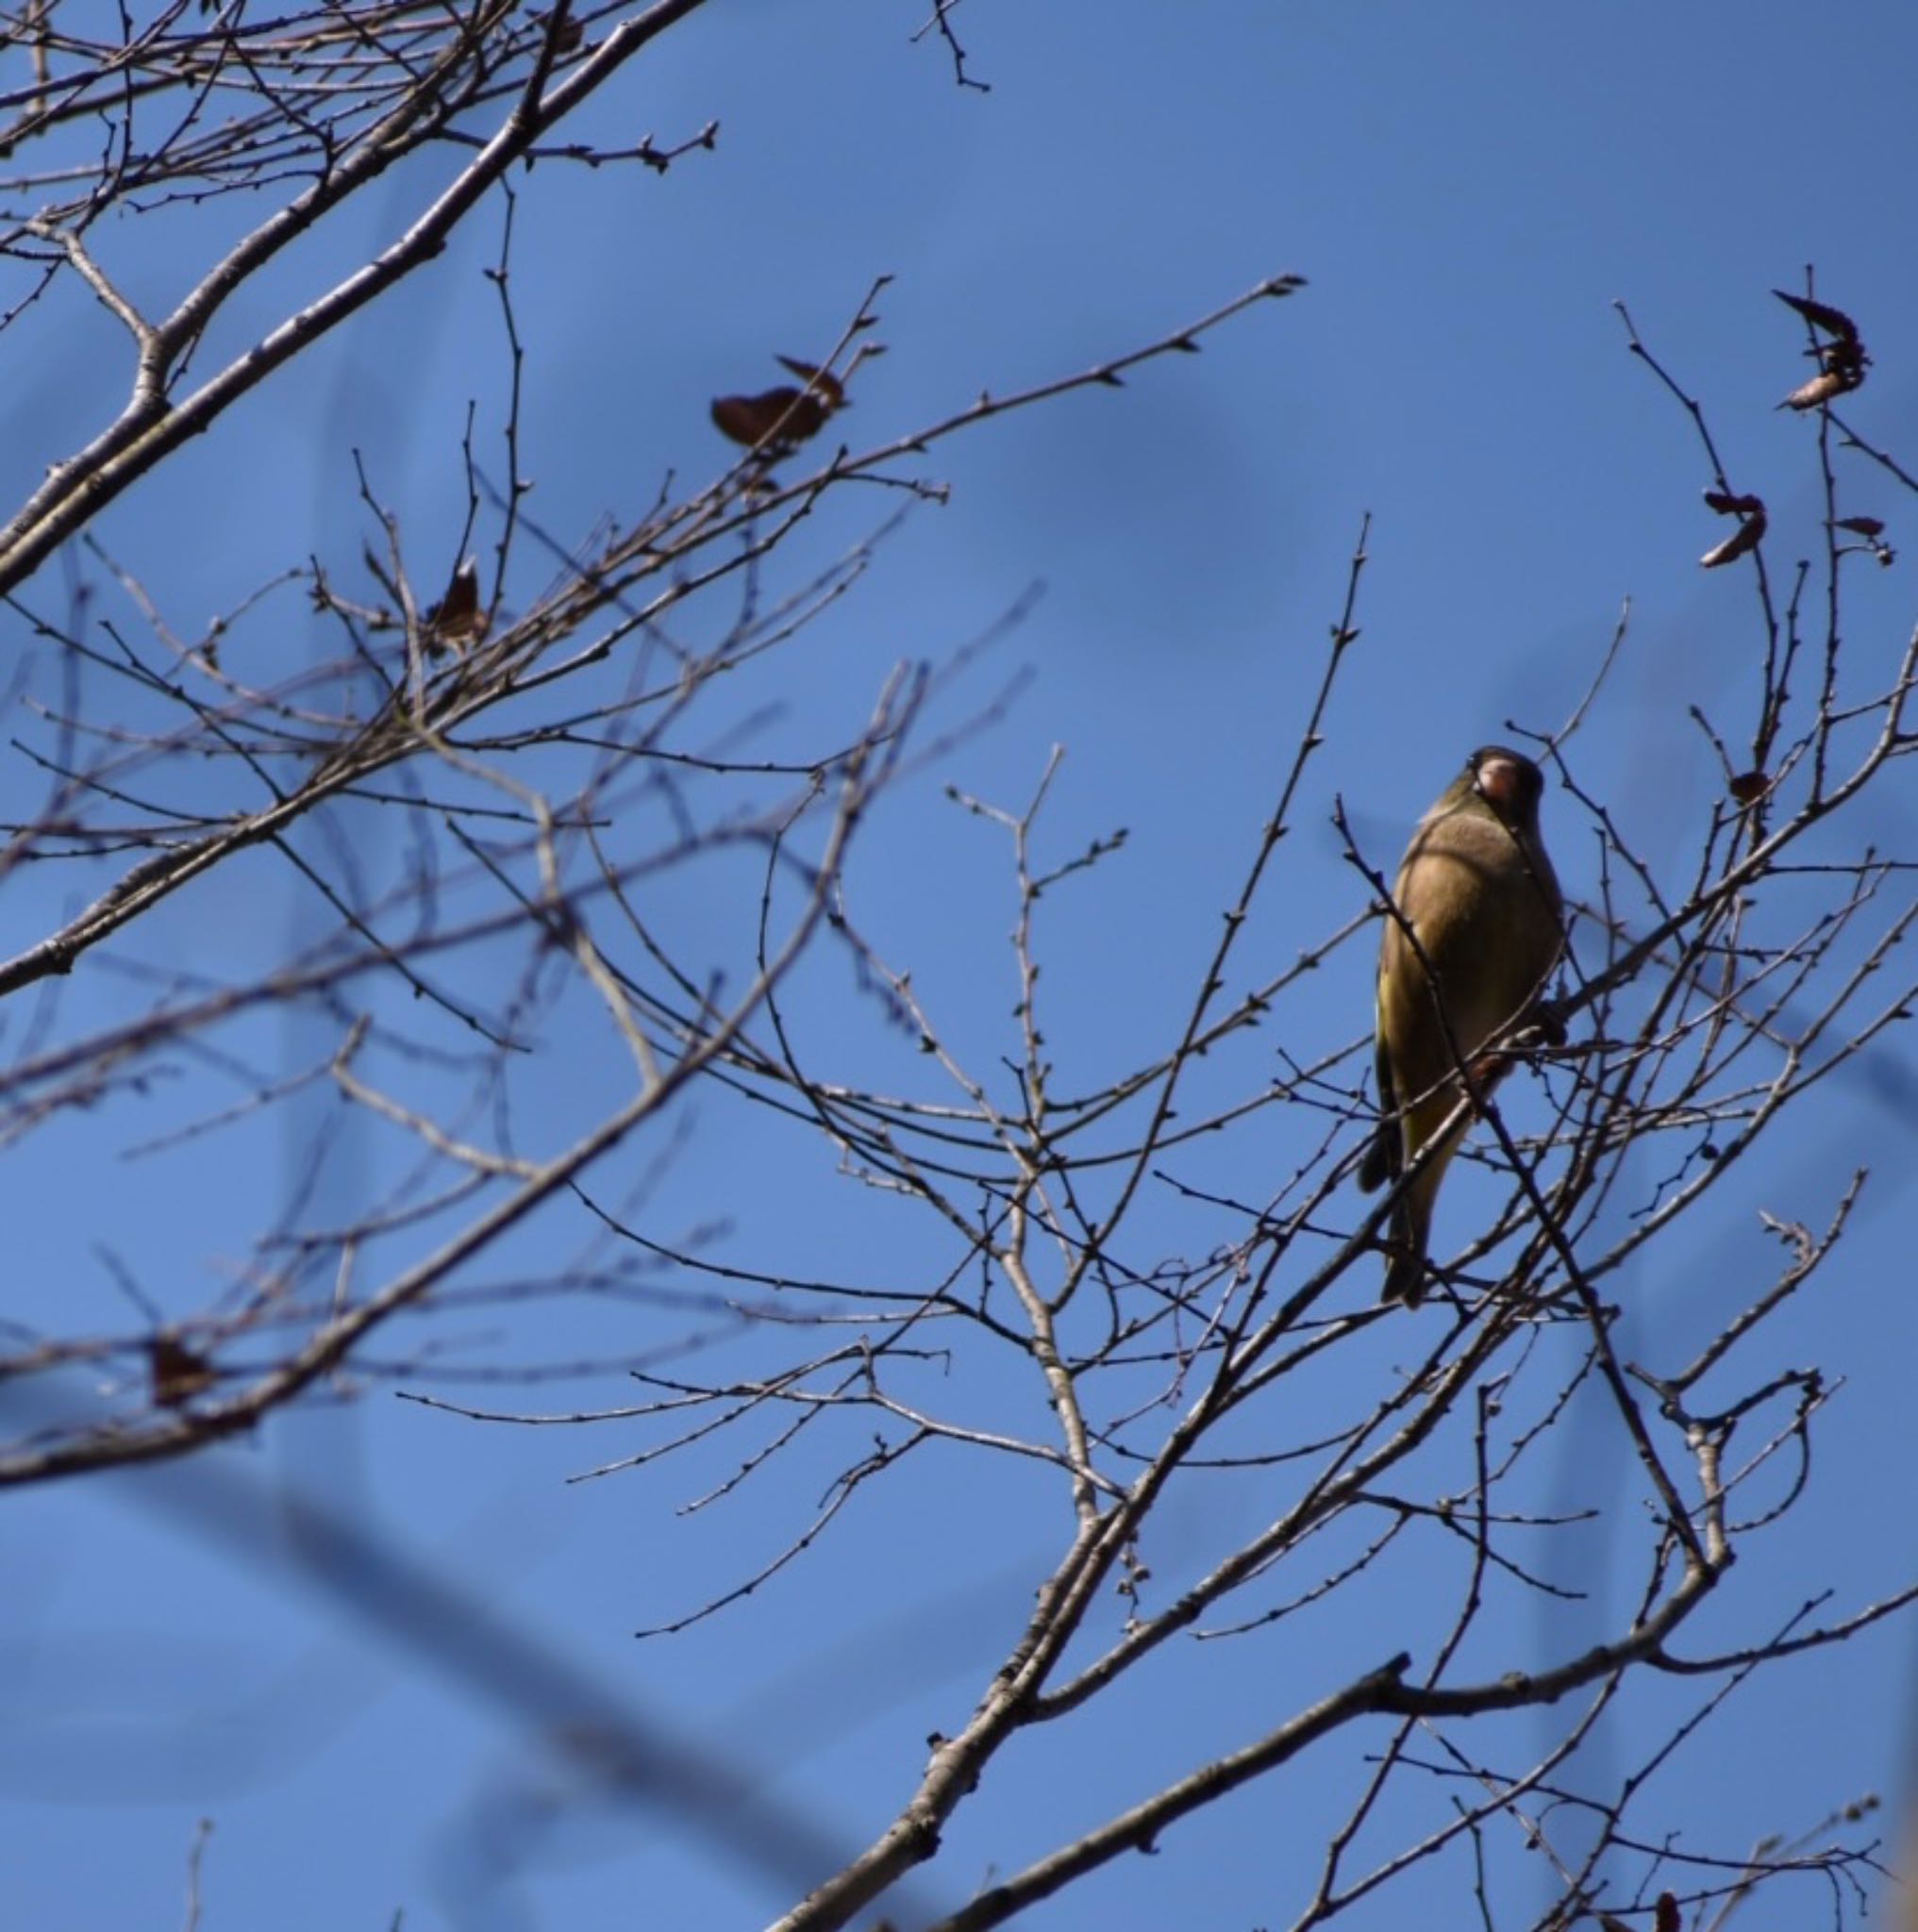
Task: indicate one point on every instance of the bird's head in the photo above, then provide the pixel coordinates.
(1508, 781)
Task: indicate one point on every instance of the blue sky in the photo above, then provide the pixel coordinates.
(1468, 190)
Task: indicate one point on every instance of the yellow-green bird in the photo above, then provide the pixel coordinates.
(1478, 890)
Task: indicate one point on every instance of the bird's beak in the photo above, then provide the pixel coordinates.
(1498, 782)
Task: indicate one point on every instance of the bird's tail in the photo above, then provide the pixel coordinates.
(1405, 1271)
(1411, 1218)
(1381, 1156)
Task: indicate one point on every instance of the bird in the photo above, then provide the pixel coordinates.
(1481, 900)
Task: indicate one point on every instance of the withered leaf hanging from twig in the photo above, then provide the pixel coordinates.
(1750, 510)
(1873, 531)
(1842, 361)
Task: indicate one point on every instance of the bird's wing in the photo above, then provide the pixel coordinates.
(1385, 1156)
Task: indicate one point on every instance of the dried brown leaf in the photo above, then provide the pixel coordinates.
(1845, 359)
(1743, 538)
(1821, 388)
(1821, 315)
(1841, 361)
